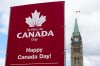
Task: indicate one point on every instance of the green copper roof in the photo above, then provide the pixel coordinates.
(76, 29)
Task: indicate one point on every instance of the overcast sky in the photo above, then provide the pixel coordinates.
(88, 22)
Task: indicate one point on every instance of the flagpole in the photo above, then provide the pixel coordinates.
(76, 14)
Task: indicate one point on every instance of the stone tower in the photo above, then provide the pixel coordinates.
(76, 47)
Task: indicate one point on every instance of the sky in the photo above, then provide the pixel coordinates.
(88, 22)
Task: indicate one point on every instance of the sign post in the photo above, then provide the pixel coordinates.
(36, 35)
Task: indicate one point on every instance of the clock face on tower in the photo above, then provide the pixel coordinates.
(76, 39)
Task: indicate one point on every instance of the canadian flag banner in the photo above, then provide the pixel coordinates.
(36, 35)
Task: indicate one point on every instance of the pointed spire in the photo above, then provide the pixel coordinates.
(76, 29)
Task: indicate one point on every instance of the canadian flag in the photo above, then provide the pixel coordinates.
(77, 11)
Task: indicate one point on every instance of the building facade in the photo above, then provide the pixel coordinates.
(76, 47)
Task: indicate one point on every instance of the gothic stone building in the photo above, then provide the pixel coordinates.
(76, 47)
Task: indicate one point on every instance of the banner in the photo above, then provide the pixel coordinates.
(36, 35)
